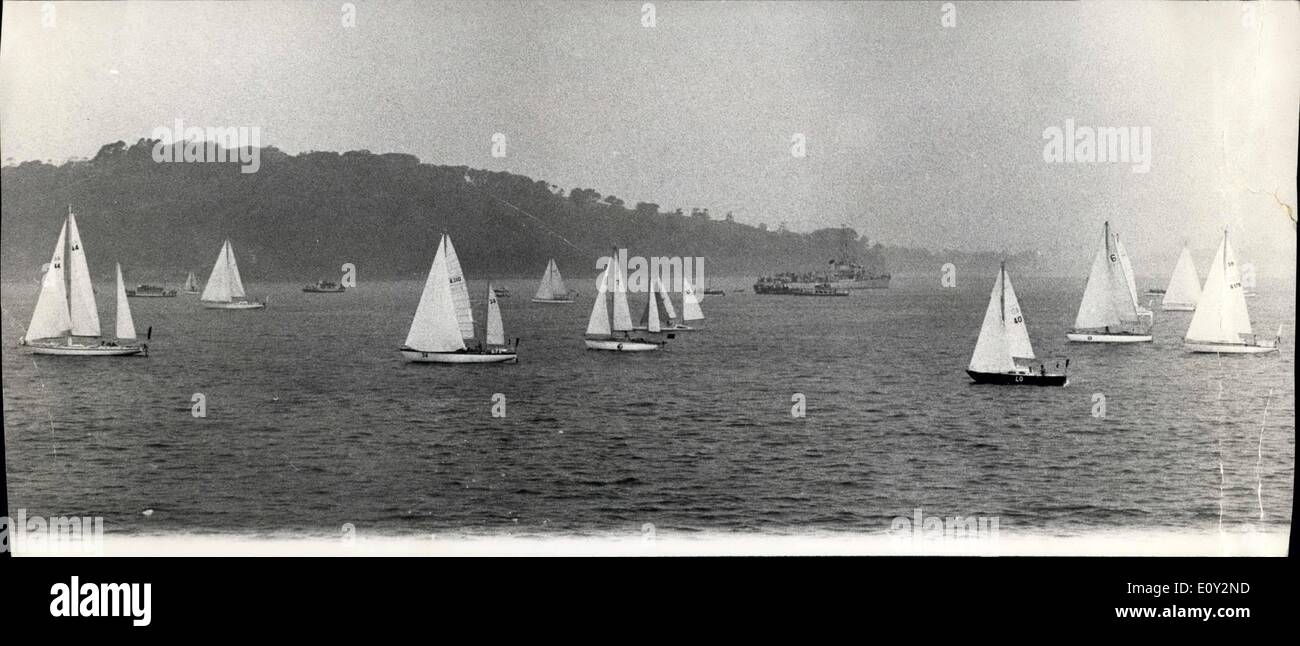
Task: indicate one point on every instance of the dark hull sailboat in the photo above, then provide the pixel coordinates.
(1007, 379)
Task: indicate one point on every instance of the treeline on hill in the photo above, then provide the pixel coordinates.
(302, 216)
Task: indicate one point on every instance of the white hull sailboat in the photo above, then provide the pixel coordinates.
(65, 321)
(225, 289)
(1221, 324)
(1109, 311)
(603, 331)
(552, 289)
(1184, 286)
(444, 321)
(1003, 354)
(191, 285)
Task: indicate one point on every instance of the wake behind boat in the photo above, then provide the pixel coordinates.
(1221, 323)
(1003, 354)
(444, 321)
(225, 289)
(66, 319)
(1109, 311)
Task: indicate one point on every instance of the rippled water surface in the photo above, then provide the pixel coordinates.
(314, 421)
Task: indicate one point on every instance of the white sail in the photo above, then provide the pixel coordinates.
(496, 334)
(459, 291)
(1110, 297)
(236, 284)
(217, 289)
(1185, 285)
(1126, 266)
(1014, 321)
(666, 302)
(435, 327)
(191, 283)
(50, 318)
(690, 302)
(651, 319)
(125, 325)
(598, 324)
(993, 349)
(1097, 310)
(552, 287)
(622, 315)
(81, 293)
(1221, 315)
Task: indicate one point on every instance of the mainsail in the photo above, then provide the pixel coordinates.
(459, 290)
(496, 334)
(1110, 298)
(1221, 315)
(993, 353)
(218, 287)
(236, 284)
(690, 302)
(51, 318)
(598, 324)
(81, 294)
(125, 325)
(435, 327)
(622, 316)
(666, 302)
(1184, 286)
(552, 287)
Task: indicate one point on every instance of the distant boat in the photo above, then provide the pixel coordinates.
(664, 312)
(443, 319)
(324, 287)
(191, 284)
(1003, 354)
(1221, 323)
(150, 291)
(501, 292)
(552, 289)
(602, 332)
(1184, 286)
(1109, 311)
(225, 289)
(66, 319)
(714, 291)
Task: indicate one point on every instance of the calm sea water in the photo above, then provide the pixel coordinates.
(314, 421)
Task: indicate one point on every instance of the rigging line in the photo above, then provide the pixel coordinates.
(470, 181)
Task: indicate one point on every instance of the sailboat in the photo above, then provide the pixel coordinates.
(1003, 354)
(443, 320)
(552, 289)
(1109, 312)
(690, 303)
(225, 289)
(602, 331)
(664, 311)
(66, 319)
(1221, 323)
(1184, 286)
(191, 284)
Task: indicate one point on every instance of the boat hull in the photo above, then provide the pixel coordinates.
(676, 328)
(1007, 379)
(236, 305)
(130, 294)
(193, 292)
(1228, 348)
(624, 345)
(418, 356)
(1178, 307)
(1107, 337)
(553, 300)
(313, 290)
(65, 350)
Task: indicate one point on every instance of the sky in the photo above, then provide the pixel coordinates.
(923, 123)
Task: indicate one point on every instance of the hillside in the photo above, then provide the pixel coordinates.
(301, 216)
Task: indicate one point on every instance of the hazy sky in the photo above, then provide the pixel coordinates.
(917, 133)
